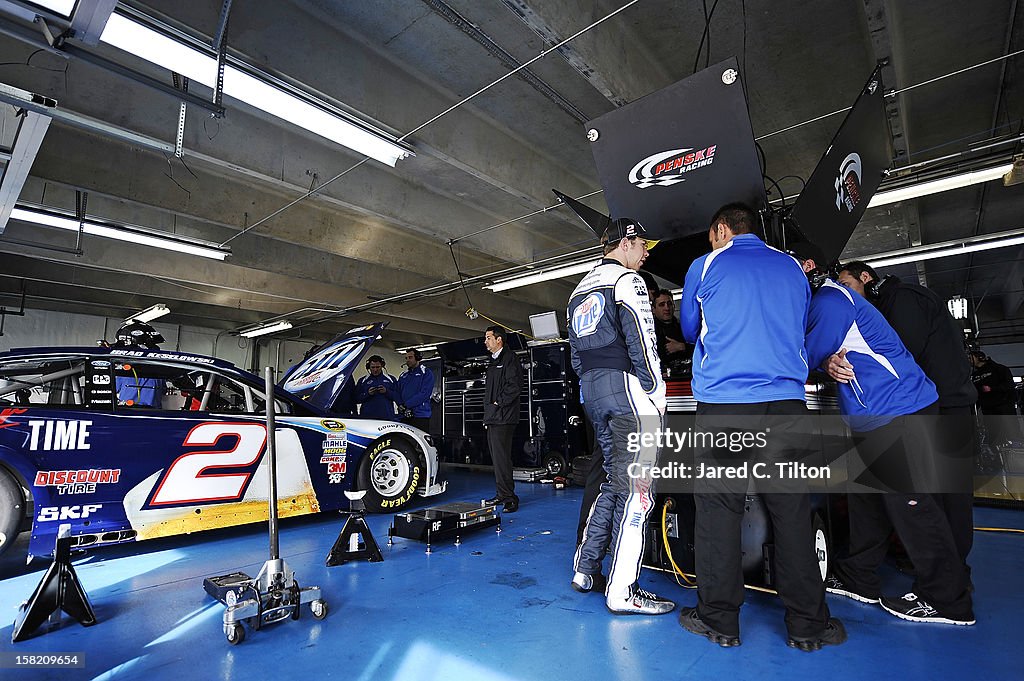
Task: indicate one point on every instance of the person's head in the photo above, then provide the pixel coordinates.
(412, 358)
(977, 358)
(138, 334)
(494, 338)
(809, 256)
(857, 275)
(730, 220)
(624, 242)
(664, 306)
(375, 365)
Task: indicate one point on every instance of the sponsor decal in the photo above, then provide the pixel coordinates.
(337, 466)
(52, 513)
(162, 355)
(667, 168)
(335, 443)
(325, 365)
(77, 482)
(398, 501)
(100, 364)
(587, 314)
(8, 413)
(51, 436)
(848, 183)
(332, 424)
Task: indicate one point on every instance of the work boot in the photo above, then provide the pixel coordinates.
(691, 621)
(833, 634)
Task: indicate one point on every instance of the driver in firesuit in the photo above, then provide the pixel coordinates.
(614, 351)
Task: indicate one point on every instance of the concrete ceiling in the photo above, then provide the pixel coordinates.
(379, 233)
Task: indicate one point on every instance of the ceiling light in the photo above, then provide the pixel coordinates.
(129, 233)
(265, 329)
(947, 249)
(545, 275)
(149, 314)
(941, 185)
(251, 87)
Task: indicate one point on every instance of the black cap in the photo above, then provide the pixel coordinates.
(625, 228)
(805, 250)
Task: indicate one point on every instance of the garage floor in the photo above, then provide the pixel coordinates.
(497, 608)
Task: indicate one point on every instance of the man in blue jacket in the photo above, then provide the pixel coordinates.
(377, 391)
(887, 403)
(744, 306)
(415, 386)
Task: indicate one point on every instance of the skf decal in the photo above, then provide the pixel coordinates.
(52, 513)
(8, 413)
(666, 168)
(848, 183)
(59, 435)
(333, 424)
(78, 482)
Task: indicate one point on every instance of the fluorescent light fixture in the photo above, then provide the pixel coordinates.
(544, 275)
(427, 348)
(265, 329)
(62, 7)
(957, 307)
(149, 314)
(129, 233)
(248, 86)
(947, 249)
(941, 185)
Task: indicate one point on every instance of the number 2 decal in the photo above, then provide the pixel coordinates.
(186, 480)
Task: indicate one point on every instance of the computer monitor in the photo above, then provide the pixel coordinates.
(544, 326)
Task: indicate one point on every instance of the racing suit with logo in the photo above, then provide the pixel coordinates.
(415, 386)
(377, 405)
(614, 351)
(887, 406)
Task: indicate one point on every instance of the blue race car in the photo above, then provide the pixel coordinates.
(128, 444)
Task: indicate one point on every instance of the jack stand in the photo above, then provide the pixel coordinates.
(58, 590)
(355, 541)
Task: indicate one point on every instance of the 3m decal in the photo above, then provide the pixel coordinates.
(51, 513)
(52, 435)
(202, 476)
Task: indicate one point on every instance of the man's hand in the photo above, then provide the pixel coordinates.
(838, 368)
(672, 345)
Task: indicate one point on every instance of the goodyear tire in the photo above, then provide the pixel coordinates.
(392, 472)
(12, 510)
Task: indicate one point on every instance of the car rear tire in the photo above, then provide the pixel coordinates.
(12, 510)
(391, 473)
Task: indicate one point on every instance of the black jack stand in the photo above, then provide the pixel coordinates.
(58, 590)
(355, 541)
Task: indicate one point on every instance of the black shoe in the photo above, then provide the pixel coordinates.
(913, 609)
(834, 585)
(690, 621)
(833, 634)
(493, 501)
(585, 583)
(511, 506)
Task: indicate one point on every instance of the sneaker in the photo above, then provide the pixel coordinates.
(585, 583)
(834, 585)
(910, 607)
(640, 603)
(833, 634)
(689, 620)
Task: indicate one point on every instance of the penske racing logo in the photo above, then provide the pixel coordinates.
(587, 314)
(667, 168)
(848, 183)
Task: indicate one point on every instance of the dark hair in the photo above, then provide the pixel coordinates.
(857, 268)
(737, 216)
(415, 353)
(662, 292)
(497, 331)
(375, 358)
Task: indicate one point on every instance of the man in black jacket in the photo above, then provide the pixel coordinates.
(996, 393)
(929, 332)
(501, 414)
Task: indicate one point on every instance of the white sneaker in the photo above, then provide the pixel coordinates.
(640, 603)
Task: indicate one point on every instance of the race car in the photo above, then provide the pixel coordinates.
(76, 449)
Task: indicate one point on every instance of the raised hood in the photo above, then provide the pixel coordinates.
(320, 377)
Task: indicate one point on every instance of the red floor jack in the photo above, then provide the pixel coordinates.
(273, 595)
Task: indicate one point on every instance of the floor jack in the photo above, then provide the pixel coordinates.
(273, 595)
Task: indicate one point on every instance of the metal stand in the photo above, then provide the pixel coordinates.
(273, 595)
(355, 541)
(443, 523)
(58, 590)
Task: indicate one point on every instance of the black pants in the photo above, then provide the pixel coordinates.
(421, 422)
(957, 441)
(941, 577)
(720, 507)
(499, 442)
(596, 476)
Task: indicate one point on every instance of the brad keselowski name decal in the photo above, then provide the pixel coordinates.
(666, 168)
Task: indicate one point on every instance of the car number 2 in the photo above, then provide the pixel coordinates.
(187, 479)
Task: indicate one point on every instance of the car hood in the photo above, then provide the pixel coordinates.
(319, 378)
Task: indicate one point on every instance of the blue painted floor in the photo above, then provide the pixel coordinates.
(496, 608)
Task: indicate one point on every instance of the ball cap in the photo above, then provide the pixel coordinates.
(626, 228)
